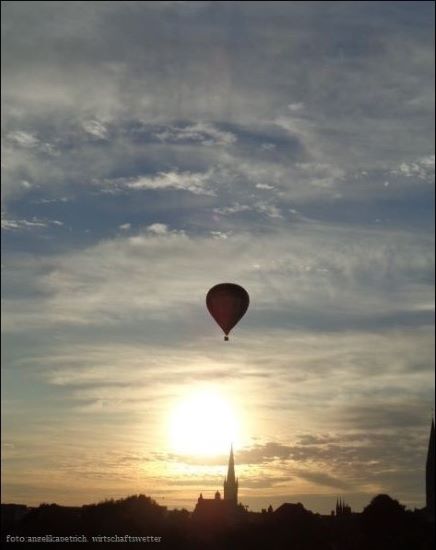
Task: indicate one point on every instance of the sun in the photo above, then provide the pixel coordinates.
(203, 423)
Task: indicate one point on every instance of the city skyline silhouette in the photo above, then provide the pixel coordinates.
(222, 521)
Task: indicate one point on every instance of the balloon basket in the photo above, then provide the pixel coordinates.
(226, 338)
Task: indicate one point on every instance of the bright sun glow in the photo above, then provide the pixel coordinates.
(203, 423)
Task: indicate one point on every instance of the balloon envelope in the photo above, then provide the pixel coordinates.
(227, 303)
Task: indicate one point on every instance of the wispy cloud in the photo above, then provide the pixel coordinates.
(194, 182)
(24, 139)
(95, 128)
(422, 168)
(203, 133)
(8, 224)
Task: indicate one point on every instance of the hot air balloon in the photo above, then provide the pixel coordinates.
(227, 303)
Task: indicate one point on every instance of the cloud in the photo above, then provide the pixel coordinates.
(294, 107)
(269, 209)
(8, 224)
(262, 207)
(235, 209)
(203, 133)
(125, 226)
(29, 141)
(158, 228)
(264, 453)
(339, 274)
(266, 482)
(23, 139)
(422, 168)
(187, 181)
(211, 85)
(220, 234)
(21, 224)
(96, 129)
(268, 146)
(321, 478)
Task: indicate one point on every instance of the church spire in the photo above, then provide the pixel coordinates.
(231, 467)
(231, 483)
(429, 472)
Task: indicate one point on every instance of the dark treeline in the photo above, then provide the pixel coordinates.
(383, 525)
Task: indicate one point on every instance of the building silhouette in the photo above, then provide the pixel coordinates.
(429, 474)
(342, 509)
(220, 510)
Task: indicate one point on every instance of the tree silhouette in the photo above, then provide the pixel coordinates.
(388, 526)
(383, 525)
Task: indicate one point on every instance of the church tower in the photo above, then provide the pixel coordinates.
(231, 483)
(429, 473)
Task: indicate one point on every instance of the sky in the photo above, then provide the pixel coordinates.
(151, 150)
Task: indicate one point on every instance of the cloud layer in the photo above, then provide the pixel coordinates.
(153, 149)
